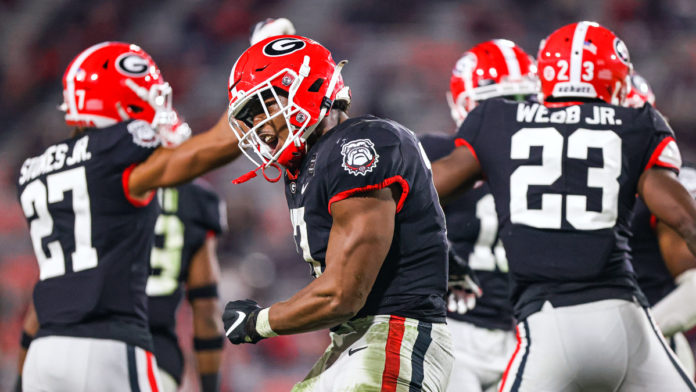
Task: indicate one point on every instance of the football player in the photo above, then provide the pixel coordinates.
(564, 175)
(88, 202)
(185, 254)
(483, 337)
(366, 218)
(663, 264)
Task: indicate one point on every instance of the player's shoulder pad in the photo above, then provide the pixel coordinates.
(137, 133)
(208, 204)
(436, 145)
(380, 130)
(657, 120)
(362, 144)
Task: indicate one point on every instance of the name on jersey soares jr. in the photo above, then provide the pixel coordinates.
(54, 158)
(536, 113)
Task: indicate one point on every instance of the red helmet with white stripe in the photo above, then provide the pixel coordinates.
(297, 67)
(584, 61)
(490, 69)
(112, 82)
(640, 92)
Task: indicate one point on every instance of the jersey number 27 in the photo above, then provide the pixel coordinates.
(35, 199)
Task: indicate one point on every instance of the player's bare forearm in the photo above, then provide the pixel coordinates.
(207, 325)
(204, 272)
(360, 238)
(456, 172)
(670, 202)
(675, 252)
(196, 156)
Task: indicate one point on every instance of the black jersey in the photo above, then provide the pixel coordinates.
(472, 228)
(92, 241)
(362, 154)
(188, 214)
(653, 277)
(564, 182)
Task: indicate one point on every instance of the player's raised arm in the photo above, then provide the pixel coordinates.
(198, 155)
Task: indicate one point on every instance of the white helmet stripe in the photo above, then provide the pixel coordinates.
(577, 50)
(511, 61)
(70, 78)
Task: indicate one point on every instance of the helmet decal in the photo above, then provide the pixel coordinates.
(131, 64)
(283, 46)
(511, 62)
(621, 51)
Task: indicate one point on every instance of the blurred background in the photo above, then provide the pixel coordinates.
(401, 53)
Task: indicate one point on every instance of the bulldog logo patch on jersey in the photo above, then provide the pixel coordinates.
(359, 156)
(143, 134)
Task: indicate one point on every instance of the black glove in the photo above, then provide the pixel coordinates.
(463, 286)
(239, 319)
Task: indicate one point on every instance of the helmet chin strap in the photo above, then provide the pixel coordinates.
(251, 174)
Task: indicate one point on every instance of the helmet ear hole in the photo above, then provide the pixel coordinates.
(135, 108)
(314, 88)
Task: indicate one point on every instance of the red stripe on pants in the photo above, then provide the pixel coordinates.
(151, 372)
(392, 360)
(514, 355)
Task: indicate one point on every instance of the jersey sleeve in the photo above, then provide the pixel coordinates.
(128, 144)
(663, 150)
(368, 159)
(126, 147)
(468, 132)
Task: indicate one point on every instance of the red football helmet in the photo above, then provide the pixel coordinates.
(585, 61)
(490, 69)
(640, 92)
(112, 82)
(301, 69)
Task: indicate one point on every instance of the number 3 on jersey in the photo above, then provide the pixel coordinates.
(549, 216)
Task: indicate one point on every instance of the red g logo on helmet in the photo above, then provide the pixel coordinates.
(283, 46)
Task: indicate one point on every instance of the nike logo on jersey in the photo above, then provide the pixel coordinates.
(355, 350)
(238, 321)
(303, 188)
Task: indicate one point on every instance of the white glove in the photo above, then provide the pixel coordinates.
(172, 129)
(462, 287)
(677, 311)
(270, 28)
